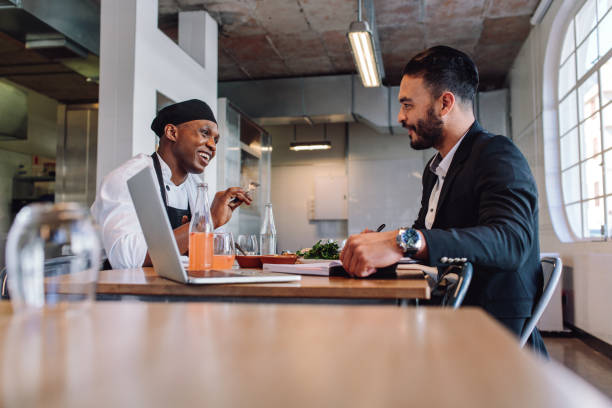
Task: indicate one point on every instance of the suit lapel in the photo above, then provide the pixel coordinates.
(462, 153)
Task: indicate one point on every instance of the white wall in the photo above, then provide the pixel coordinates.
(493, 111)
(588, 282)
(383, 173)
(293, 178)
(136, 60)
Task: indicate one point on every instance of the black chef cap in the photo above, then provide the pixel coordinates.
(193, 109)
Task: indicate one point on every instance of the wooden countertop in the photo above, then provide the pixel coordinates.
(217, 354)
(144, 281)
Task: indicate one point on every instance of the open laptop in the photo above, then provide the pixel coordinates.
(163, 250)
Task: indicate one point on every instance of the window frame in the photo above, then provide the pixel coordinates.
(579, 124)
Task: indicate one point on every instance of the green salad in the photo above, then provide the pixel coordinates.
(321, 250)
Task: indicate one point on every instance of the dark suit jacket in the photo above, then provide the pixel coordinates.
(488, 213)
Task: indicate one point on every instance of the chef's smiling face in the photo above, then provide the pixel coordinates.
(196, 144)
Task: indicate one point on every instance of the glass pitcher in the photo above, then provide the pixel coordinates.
(52, 256)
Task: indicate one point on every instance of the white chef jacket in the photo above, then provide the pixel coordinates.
(114, 211)
(439, 166)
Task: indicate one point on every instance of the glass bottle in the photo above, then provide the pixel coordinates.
(267, 234)
(201, 232)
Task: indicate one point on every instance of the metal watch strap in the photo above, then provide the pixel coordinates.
(399, 240)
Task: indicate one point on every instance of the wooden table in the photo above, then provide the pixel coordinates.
(145, 282)
(141, 354)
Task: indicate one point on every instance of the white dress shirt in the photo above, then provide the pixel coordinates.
(439, 166)
(114, 211)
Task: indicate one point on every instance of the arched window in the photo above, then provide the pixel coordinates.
(585, 120)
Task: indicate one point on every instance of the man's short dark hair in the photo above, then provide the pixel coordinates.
(445, 69)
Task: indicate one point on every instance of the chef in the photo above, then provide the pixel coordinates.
(188, 142)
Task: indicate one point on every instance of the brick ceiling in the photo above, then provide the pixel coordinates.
(285, 38)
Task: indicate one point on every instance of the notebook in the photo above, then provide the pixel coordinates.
(405, 268)
(319, 268)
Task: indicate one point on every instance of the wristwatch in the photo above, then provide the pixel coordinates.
(409, 240)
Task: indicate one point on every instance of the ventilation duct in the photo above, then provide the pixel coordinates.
(76, 21)
(54, 46)
(334, 99)
(314, 100)
(64, 31)
(13, 112)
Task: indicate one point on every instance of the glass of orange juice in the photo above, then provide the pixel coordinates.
(224, 251)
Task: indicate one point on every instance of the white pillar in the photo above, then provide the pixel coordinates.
(136, 60)
(196, 28)
(192, 29)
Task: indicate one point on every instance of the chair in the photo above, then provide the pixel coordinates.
(452, 284)
(551, 267)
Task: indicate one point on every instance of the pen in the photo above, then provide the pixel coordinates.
(380, 227)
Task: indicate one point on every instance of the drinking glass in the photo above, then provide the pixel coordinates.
(248, 243)
(52, 256)
(224, 251)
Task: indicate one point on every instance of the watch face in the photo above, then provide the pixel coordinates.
(411, 237)
(411, 240)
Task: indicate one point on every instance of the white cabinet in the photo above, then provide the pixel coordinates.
(330, 198)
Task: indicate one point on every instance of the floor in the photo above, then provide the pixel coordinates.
(589, 364)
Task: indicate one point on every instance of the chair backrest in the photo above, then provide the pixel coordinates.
(551, 268)
(453, 283)
(3, 285)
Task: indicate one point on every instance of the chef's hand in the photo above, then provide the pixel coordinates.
(225, 203)
(365, 252)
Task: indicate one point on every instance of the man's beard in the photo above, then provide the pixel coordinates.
(427, 132)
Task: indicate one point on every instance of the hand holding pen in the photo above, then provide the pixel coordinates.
(380, 228)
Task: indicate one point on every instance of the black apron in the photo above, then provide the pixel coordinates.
(174, 214)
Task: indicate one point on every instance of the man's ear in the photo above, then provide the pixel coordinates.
(447, 101)
(171, 132)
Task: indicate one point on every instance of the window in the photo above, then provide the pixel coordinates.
(585, 121)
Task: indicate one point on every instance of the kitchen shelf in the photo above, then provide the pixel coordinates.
(32, 179)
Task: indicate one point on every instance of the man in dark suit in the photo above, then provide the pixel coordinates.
(479, 202)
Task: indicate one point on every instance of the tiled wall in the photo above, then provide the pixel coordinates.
(588, 283)
(383, 174)
(292, 185)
